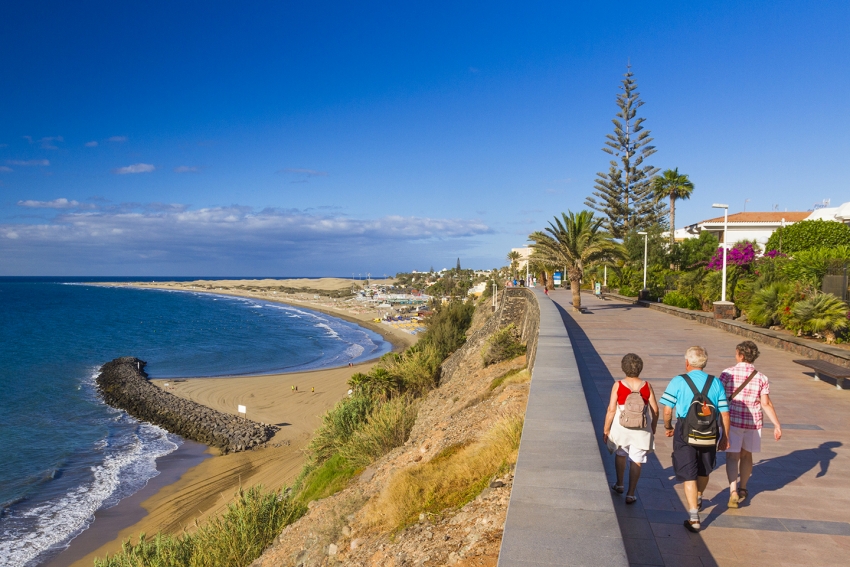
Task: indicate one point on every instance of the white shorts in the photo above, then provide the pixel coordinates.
(634, 455)
(746, 439)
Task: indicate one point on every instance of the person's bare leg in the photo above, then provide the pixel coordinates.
(620, 466)
(746, 467)
(733, 463)
(634, 476)
(691, 494)
(702, 482)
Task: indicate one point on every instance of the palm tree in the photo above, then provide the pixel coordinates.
(673, 185)
(575, 241)
(513, 258)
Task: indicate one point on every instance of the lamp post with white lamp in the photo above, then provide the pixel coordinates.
(643, 293)
(724, 309)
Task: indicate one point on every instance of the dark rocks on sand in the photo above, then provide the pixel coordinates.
(123, 384)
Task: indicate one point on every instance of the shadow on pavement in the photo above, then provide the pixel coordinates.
(658, 507)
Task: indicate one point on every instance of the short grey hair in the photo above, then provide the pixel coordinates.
(697, 357)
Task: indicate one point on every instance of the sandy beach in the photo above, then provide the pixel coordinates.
(209, 483)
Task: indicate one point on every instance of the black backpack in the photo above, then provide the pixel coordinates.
(700, 427)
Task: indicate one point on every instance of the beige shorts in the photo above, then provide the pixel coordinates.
(746, 439)
(634, 455)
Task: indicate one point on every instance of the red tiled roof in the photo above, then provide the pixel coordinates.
(772, 216)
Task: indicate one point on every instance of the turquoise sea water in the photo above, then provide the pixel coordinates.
(63, 453)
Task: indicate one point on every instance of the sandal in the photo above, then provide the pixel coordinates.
(618, 488)
(631, 499)
(699, 502)
(742, 494)
(692, 525)
(734, 499)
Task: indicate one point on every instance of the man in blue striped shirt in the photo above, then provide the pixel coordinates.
(694, 464)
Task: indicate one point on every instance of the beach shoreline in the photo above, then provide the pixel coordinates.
(294, 401)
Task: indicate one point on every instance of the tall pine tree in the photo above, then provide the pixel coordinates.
(624, 194)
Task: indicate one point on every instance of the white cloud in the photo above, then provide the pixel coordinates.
(28, 162)
(307, 172)
(5, 169)
(47, 143)
(118, 139)
(54, 204)
(228, 238)
(135, 168)
(185, 169)
(92, 144)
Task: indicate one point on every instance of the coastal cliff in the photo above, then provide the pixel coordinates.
(460, 426)
(123, 384)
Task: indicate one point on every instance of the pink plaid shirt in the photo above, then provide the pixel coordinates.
(745, 409)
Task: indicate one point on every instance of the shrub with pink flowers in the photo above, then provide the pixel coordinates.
(742, 254)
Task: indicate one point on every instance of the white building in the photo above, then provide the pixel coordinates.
(839, 214)
(758, 227)
(751, 226)
(524, 254)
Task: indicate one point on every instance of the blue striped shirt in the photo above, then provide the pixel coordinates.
(678, 394)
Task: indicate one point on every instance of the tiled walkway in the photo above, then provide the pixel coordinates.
(799, 508)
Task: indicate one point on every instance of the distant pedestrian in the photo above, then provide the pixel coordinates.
(628, 430)
(697, 398)
(748, 391)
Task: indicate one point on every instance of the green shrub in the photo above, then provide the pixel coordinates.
(678, 299)
(236, 538)
(502, 345)
(446, 329)
(764, 307)
(822, 313)
(338, 424)
(805, 235)
(417, 368)
(793, 294)
(378, 384)
(325, 479)
(387, 427)
(627, 291)
(812, 265)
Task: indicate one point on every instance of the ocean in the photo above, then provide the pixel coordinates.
(64, 454)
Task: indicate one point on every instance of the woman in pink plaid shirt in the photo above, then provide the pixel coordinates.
(748, 393)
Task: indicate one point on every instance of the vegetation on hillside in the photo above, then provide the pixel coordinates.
(377, 417)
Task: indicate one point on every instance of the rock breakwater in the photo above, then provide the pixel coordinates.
(123, 384)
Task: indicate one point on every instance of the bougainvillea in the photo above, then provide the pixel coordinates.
(742, 254)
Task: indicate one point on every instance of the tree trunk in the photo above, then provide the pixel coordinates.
(672, 227)
(575, 287)
(672, 221)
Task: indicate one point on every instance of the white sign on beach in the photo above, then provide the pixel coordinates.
(241, 409)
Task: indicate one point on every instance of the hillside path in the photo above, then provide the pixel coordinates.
(799, 507)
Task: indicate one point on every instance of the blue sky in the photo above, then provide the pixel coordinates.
(330, 138)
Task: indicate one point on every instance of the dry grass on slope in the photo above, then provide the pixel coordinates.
(451, 479)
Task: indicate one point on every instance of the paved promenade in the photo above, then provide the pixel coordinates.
(799, 508)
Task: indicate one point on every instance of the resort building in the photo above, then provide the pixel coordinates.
(758, 227)
(524, 254)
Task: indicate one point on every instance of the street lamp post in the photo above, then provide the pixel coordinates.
(645, 249)
(725, 230)
(723, 309)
